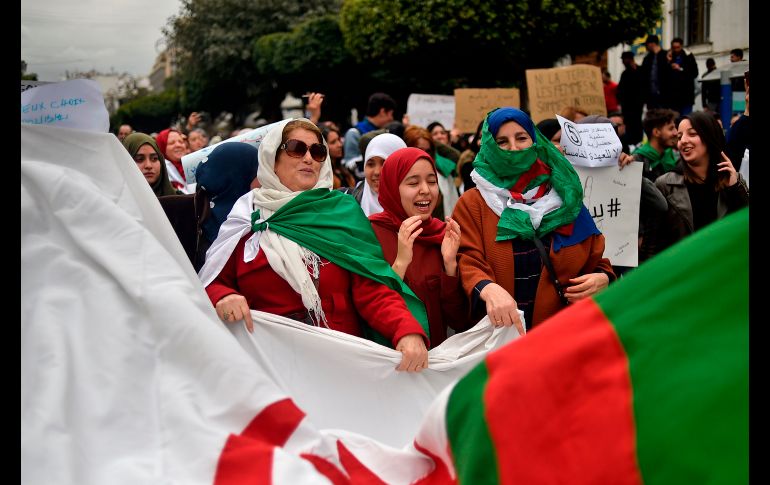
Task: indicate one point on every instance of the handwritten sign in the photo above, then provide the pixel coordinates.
(70, 104)
(612, 198)
(590, 144)
(472, 105)
(191, 161)
(551, 90)
(424, 109)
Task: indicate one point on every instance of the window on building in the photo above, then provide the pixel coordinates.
(692, 20)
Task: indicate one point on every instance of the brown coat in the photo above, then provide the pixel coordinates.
(482, 258)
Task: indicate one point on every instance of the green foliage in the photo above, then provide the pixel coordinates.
(483, 44)
(215, 39)
(149, 113)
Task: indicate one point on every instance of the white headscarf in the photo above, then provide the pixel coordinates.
(380, 146)
(287, 258)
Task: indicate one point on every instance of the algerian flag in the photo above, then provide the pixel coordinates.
(128, 377)
(635, 385)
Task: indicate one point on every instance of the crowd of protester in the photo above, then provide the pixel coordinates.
(405, 234)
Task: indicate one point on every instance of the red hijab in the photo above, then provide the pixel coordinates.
(394, 171)
(162, 141)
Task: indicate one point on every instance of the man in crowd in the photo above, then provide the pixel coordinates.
(379, 112)
(684, 71)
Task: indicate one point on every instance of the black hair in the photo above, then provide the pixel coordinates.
(657, 118)
(737, 52)
(433, 125)
(378, 101)
(712, 135)
(678, 40)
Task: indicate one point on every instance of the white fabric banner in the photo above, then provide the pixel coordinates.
(128, 376)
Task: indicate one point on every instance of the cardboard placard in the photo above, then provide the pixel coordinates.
(472, 105)
(551, 90)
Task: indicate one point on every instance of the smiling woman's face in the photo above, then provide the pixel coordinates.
(298, 174)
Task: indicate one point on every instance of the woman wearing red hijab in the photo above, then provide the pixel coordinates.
(421, 248)
(173, 146)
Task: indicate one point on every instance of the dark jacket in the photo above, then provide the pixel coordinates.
(659, 98)
(186, 213)
(678, 221)
(682, 81)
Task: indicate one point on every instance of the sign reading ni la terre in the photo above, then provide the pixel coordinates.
(612, 198)
(424, 109)
(551, 90)
(472, 105)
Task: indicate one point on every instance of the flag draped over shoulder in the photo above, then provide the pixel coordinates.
(129, 377)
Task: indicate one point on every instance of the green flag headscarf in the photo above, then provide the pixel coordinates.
(504, 168)
(332, 225)
(667, 158)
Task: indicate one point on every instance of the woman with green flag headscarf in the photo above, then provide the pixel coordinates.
(295, 248)
(528, 243)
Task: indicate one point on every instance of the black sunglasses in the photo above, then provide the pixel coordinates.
(298, 149)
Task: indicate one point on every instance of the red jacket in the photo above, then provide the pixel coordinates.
(442, 294)
(344, 296)
(610, 96)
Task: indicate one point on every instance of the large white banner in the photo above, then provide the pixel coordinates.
(612, 198)
(424, 109)
(128, 376)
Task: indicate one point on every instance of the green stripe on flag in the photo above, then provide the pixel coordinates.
(474, 454)
(689, 362)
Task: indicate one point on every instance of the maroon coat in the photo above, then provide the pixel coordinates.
(344, 296)
(442, 295)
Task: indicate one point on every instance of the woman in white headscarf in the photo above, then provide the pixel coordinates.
(293, 247)
(366, 191)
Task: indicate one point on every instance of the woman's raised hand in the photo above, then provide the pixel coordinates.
(727, 166)
(450, 245)
(407, 233)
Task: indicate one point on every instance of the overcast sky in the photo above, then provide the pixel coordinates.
(59, 35)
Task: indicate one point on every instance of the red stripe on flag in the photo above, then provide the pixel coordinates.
(244, 460)
(357, 472)
(248, 457)
(559, 403)
(275, 423)
(537, 169)
(439, 475)
(327, 469)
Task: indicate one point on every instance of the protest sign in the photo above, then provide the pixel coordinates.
(472, 105)
(612, 198)
(590, 144)
(75, 104)
(424, 109)
(551, 90)
(31, 84)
